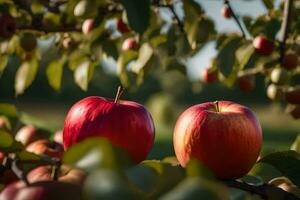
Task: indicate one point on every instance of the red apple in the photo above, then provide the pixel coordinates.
(290, 61)
(246, 83)
(87, 26)
(224, 136)
(226, 12)
(42, 187)
(210, 76)
(7, 26)
(263, 46)
(122, 27)
(3, 124)
(47, 147)
(28, 134)
(126, 124)
(2, 156)
(129, 44)
(292, 95)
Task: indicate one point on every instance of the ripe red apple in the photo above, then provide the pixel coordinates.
(246, 83)
(292, 95)
(290, 61)
(7, 26)
(224, 136)
(129, 44)
(126, 124)
(122, 27)
(2, 156)
(87, 26)
(263, 46)
(42, 187)
(226, 12)
(3, 124)
(210, 76)
(28, 134)
(47, 147)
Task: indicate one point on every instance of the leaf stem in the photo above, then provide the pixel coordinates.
(226, 2)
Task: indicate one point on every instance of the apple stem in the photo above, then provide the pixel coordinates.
(119, 93)
(18, 172)
(55, 170)
(217, 106)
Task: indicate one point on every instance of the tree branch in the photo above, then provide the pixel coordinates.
(18, 172)
(50, 29)
(263, 190)
(285, 26)
(226, 2)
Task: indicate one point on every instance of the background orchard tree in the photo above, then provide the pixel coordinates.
(142, 38)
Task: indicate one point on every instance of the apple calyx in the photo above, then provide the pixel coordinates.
(119, 94)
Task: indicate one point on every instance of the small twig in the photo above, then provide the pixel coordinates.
(18, 172)
(50, 30)
(226, 2)
(261, 190)
(285, 26)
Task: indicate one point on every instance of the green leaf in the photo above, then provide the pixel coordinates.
(107, 184)
(243, 54)
(252, 180)
(296, 144)
(54, 73)
(26, 75)
(8, 144)
(83, 73)
(138, 14)
(171, 63)
(8, 110)
(269, 4)
(145, 54)
(192, 11)
(95, 153)
(3, 63)
(123, 60)
(110, 49)
(197, 188)
(226, 56)
(286, 162)
(196, 169)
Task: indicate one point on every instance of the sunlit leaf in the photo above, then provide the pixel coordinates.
(26, 75)
(145, 54)
(3, 63)
(8, 110)
(269, 4)
(287, 162)
(8, 144)
(123, 60)
(296, 144)
(84, 73)
(54, 73)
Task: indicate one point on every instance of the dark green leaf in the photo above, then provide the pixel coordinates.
(287, 162)
(110, 49)
(226, 56)
(196, 169)
(269, 4)
(296, 144)
(3, 63)
(8, 110)
(123, 60)
(243, 54)
(138, 14)
(8, 144)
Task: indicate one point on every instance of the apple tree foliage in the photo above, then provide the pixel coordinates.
(81, 35)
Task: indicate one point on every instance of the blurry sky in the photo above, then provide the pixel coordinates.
(202, 60)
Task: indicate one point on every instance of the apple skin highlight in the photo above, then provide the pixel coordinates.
(226, 137)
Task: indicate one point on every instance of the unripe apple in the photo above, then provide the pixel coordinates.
(86, 9)
(122, 27)
(42, 187)
(7, 26)
(274, 92)
(129, 44)
(292, 95)
(126, 124)
(209, 75)
(28, 41)
(279, 76)
(246, 83)
(226, 12)
(47, 147)
(28, 134)
(87, 26)
(263, 46)
(290, 61)
(223, 135)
